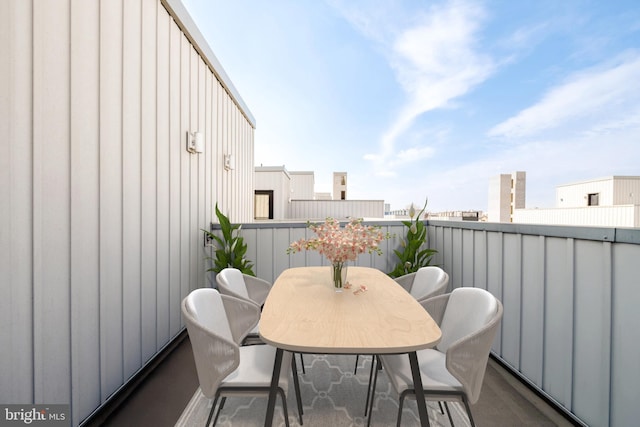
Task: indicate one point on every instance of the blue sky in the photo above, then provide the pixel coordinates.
(418, 99)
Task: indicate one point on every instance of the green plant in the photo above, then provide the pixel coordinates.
(230, 249)
(414, 255)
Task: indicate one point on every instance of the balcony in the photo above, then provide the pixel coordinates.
(569, 330)
(102, 209)
(504, 400)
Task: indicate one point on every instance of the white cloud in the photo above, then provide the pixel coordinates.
(599, 95)
(435, 62)
(414, 154)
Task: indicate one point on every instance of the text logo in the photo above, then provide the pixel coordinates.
(35, 415)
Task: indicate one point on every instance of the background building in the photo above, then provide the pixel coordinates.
(612, 201)
(303, 185)
(339, 186)
(284, 195)
(273, 192)
(507, 192)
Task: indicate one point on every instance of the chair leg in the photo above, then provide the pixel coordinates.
(284, 406)
(468, 407)
(400, 404)
(355, 368)
(448, 413)
(213, 408)
(222, 401)
(441, 408)
(302, 363)
(296, 386)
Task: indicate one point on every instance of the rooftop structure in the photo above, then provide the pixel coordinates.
(339, 186)
(285, 195)
(612, 201)
(507, 192)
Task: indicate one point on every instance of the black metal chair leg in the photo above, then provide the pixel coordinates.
(215, 420)
(400, 404)
(466, 405)
(284, 406)
(213, 407)
(448, 413)
(296, 386)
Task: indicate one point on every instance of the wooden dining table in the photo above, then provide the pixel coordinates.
(303, 313)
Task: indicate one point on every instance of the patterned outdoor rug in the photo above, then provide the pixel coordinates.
(331, 396)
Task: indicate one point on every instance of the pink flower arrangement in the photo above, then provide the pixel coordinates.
(341, 244)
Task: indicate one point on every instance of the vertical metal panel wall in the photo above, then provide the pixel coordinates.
(102, 205)
(591, 216)
(570, 299)
(318, 210)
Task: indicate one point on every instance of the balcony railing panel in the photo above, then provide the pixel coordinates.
(625, 335)
(569, 295)
(558, 320)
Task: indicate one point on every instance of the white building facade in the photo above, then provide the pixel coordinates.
(612, 201)
(285, 195)
(507, 192)
(339, 186)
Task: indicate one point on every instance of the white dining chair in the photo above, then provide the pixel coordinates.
(427, 282)
(454, 370)
(232, 281)
(216, 325)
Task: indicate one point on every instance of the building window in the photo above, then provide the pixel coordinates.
(263, 204)
(593, 199)
(343, 195)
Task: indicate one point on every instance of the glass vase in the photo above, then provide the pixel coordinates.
(339, 275)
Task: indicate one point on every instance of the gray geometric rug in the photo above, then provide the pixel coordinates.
(331, 396)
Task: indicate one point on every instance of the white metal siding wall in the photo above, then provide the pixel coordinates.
(568, 309)
(318, 210)
(303, 185)
(102, 205)
(279, 183)
(595, 216)
(626, 191)
(235, 188)
(575, 195)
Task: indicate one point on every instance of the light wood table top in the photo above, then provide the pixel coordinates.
(303, 313)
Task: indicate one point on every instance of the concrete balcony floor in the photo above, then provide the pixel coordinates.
(160, 398)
